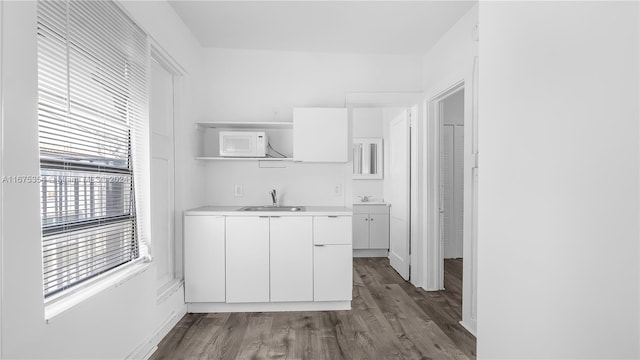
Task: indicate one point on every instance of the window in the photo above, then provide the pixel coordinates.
(92, 111)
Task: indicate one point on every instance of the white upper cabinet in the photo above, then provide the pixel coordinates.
(320, 135)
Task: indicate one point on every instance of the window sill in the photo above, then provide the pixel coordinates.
(67, 301)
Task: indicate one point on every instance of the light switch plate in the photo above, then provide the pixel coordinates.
(238, 191)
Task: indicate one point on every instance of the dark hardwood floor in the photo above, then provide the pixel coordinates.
(390, 319)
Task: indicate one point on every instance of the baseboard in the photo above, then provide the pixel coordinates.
(148, 347)
(471, 329)
(269, 307)
(373, 253)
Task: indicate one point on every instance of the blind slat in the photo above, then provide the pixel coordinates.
(92, 108)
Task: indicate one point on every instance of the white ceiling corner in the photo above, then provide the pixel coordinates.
(385, 27)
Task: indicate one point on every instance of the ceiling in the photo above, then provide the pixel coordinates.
(387, 27)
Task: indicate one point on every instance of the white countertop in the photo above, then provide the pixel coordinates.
(371, 203)
(235, 211)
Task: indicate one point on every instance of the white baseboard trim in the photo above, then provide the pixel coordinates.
(270, 307)
(147, 348)
(374, 253)
(471, 329)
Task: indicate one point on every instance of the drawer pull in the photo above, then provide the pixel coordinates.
(318, 245)
(332, 216)
(263, 217)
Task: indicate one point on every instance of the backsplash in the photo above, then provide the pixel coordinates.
(296, 184)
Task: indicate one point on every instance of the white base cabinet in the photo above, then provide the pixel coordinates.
(268, 263)
(204, 258)
(370, 227)
(332, 272)
(291, 258)
(332, 258)
(247, 259)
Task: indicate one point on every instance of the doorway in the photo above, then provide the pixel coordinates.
(451, 111)
(451, 183)
(452, 174)
(381, 183)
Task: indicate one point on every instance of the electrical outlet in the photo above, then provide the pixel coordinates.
(238, 191)
(337, 190)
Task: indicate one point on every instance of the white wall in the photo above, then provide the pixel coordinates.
(255, 85)
(449, 62)
(559, 207)
(121, 319)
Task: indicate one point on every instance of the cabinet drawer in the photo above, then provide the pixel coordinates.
(330, 230)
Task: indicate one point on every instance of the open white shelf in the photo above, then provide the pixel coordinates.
(242, 158)
(246, 125)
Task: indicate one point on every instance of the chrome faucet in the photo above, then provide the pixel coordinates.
(365, 198)
(274, 197)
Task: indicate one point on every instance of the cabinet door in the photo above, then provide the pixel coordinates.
(320, 135)
(332, 230)
(247, 259)
(291, 258)
(379, 231)
(332, 272)
(360, 231)
(204, 258)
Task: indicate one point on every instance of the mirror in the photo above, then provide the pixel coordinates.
(367, 158)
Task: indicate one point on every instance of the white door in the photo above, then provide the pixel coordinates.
(247, 250)
(399, 160)
(162, 174)
(291, 262)
(451, 181)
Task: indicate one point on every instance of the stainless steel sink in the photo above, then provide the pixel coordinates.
(273, 208)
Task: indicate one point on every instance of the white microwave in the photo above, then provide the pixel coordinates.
(243, 144)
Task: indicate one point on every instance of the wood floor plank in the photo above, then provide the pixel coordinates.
(282, 339)
(390, 319)
(227, 344)
(255, 344)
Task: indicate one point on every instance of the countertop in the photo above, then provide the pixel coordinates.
(371, 203)
(235, 211)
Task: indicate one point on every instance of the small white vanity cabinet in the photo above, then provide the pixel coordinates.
(370, 226)
(271, 261)
(320, 135)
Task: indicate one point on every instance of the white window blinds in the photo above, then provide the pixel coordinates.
(92, 117)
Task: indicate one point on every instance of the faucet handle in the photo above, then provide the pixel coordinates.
(364, 198)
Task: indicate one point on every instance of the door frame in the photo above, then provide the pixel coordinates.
(433, 251)
(1, 168)
(410, 100)
(434, 247)
(157, 53)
